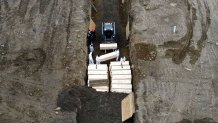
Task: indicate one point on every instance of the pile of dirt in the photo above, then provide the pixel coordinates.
(92, 106)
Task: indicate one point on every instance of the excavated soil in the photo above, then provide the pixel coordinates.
(178, 83)
(42, 49)
(43, 55)
(92, 106)
(43, 62)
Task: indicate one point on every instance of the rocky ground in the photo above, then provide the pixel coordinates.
(175, 74)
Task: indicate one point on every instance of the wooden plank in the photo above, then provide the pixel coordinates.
(117, 90)
(97, 67)
(119, 68)
(121, 72)
(108, 56)
(102, 88)
(118, 63)
(93, 66)
(127, 30)
(98, 83)
(121, 86)
(128, 81)
(121, 77)
(97, 77)
(88, 83)
(111, 46)
(128, 107)
(95, 72)
(92, 25)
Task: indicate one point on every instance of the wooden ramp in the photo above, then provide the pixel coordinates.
(98, 77)
(121, 77)
(92, 25)
(128, 107)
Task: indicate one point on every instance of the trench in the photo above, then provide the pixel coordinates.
(111, 11)
(92, 106)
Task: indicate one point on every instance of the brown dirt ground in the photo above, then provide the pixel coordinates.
(39, 46)
(43, 55)
(178, 83)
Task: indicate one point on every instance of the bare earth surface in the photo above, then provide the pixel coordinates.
(175, 74)
(39, 45)
(43, 54)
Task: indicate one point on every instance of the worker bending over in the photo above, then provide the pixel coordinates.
(122, 60)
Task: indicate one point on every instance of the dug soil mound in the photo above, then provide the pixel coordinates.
(92, 106)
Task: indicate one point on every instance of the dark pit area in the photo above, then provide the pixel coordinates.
(92, 106)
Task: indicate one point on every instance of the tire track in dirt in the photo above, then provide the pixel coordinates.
(23, 8)
(178, 50)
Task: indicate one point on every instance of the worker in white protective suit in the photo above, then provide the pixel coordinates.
(91, 61)
(97, 60)
(121, 61)
(117, 54)
(124, 59)
(91, 48)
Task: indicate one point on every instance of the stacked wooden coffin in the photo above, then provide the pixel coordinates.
(110, 55)
(98, 77)
(120, 77)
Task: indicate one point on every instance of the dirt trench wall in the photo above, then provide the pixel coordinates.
(42, 49)
(175, 73)
(49, 35)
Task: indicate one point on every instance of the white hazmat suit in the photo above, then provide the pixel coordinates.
(118, 54)
(91, 48)
(91, 61)
(97, 60)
